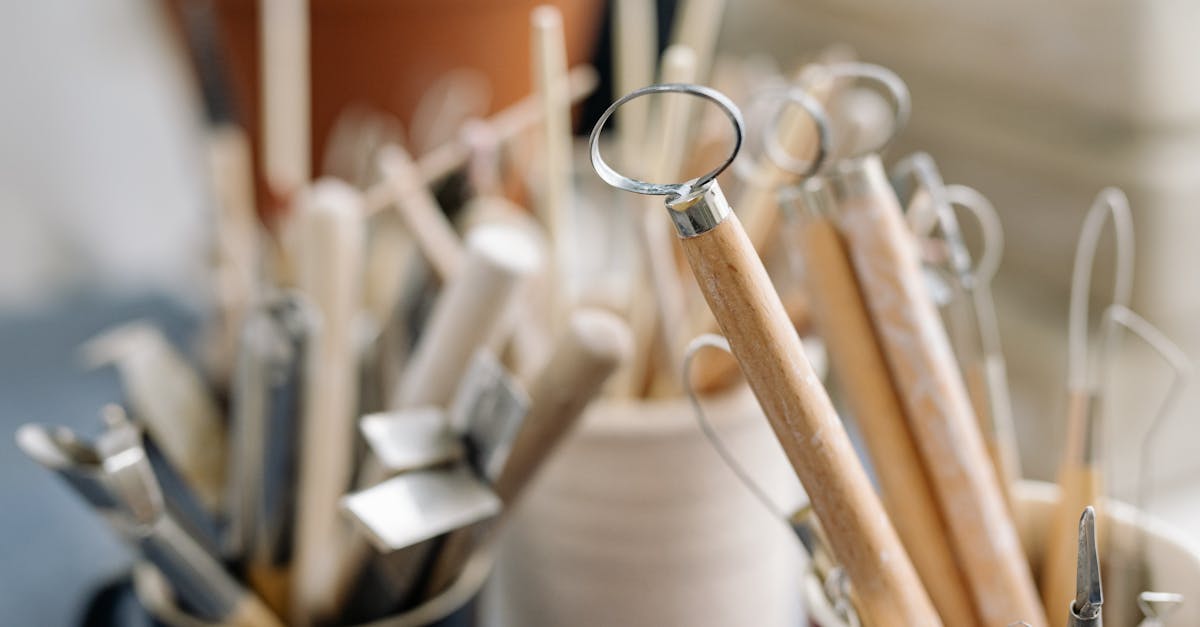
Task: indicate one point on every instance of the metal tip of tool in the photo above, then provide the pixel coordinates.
(1088, 594)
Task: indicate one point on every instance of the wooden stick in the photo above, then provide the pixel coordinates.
(935, 399)
(429, 225)
(841, 318)
(554, 199)
(1079, 485)
(497, 257)
(666, 290)
(285, 93)
(593, 344)
(697, 25)
(330, 229)
(752, 318)
(635, 45)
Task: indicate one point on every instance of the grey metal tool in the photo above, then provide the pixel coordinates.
(410, 439)
(266, 402)
(1086, 609)
(117, 477)
(488, 409)
(1157, 607)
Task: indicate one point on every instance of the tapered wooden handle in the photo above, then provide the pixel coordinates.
(935, 400)
(750, 314)
(419, 209)
(1079, 485)
(843, 322)
(593, 345)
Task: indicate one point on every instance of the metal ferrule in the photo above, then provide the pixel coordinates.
(1075, 620)
(699, 212)
(859, 176)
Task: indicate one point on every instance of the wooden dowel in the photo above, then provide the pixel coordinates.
(739, 292)
(635, 46)
(593, 344)
(429, 225)
(923, 369)
(697, 25)
(285, 92)
(554, 197)
(1079, 485)
(841, 318)
(466, 314)
(330, 230)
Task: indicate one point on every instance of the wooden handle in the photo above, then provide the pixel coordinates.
(931, 387)
(331, 233)
(283, 62)
(548, 49)
(1079, 485)
(595, 342)
(252, 612)
(466, 315)
(429, 225)
(843, 322)
(740, 294)
(981, 379)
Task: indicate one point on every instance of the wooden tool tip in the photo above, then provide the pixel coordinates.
(507, 246)
(603, 334)
(546, 17)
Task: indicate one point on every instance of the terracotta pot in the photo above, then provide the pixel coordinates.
(386, 53)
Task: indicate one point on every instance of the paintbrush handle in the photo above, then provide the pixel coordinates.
(594, 343)
(843, 322)
(750, 314)
(419, 209)
(931, 387)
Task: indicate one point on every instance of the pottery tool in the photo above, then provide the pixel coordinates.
(329, 229)
(1157, 607)
(593, 344)
(843, 322)
(554, 195)
(417, 206)
(980, 353)
(1086, 606)
(285, 93)
(115, 476)
(661, 303)
(1079, 474)
(171, 400)
(925, 374)
(635, 46)
(740, 293)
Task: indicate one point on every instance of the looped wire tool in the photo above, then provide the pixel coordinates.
(765, 343)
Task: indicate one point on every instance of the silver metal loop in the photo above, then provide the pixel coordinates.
(775, 150)
(892, 85)
(671, 190)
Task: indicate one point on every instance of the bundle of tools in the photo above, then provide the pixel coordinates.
(382, 382)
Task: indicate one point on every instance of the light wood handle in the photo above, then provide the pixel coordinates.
(842, 320)
(252, 612)
(979, 376)
(931, 387)
(595, 342)
(331, 234)
(740, 294)
(429, 225)
(1079, 485)
(285, 93)
(467, 313)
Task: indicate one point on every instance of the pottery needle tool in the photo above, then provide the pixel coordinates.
(971, 318)
(1086, 605)
(1079, 479)
(923, 369)
(843, 322)
(329, 229)
(171, 400)
(738, 290)
(593, 344)
(553, 200)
